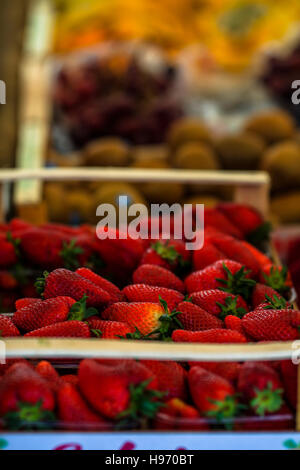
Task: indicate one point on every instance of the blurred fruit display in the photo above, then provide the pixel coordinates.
(107, 395)
(117, 90)
(232, 30)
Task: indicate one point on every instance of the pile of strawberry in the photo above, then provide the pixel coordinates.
(226, 292)
(164, 395)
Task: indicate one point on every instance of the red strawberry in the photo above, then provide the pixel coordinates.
(216, 335)
(272, 325)
(69, 329)
(20, 303)
(259, 294)
(114, 291)
(49, 248)
(236, 250)
(109, 329)
(289, 377)
(220, 303)
(62, 282)
(168, 254)
(227, 370)
(226, 275)
(261, 387)
(171, 378)
(115, 252)
(70, 379)
(245, 218)
(25, 397)
(7, 280)
(145, 293)
(43, 313)
(157, 276)
(178, 415)
(7, 327)
(206, 256)
(234, 323)
(194, 318)
(260, 257)
(8, 249)
(47, 371)
(127, 390)
(213, 395)
(216, 219)
(146, 317)
(73, 411)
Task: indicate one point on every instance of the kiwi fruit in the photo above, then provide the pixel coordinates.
(195, 156)
(282, 161)
(241, 151)
(186, 130)
(286, 207)
(109, 151)
(272, 126)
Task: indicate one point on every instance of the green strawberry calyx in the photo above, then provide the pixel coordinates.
(29, 416)
(277, 279)
(230, 308)
(166, 251)
(40, 283)
(238, 283)
(268, 400)
(144, 403)
(276, 303)
(168, 323)
(260, 236)
(135, 335)
(79, 310)
(69, 253)
(226, 409)
(96, 332)
(16, 242)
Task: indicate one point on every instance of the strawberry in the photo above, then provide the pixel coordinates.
(245, 218)
(43, 313)
(127, 391)
(169, 254)
(259, 294)
(51, 248)
(62, 282)
(216, 335)
(213, 395)
(289, 377)
(277, 277)
(272, 325)
(73, 411)
(20, 303)
(261, 387)
(26, 401)
(115, 251)
(171, 378)
(7, 327)
(178, 415)
(7, 280)
(114, 291)
(109, 329)
(215, 218)
(157, 276)
(206, 256)
(148, 318)
(234, 323)
(145, 293)
(70, 379)
(227, 370)
(226, 275)
(236, 250)
(47, 371)
(194, 318)
(260, 257)
(9, 250)
(69, 329)
(220, 303)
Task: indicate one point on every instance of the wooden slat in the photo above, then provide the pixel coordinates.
(81, 348)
